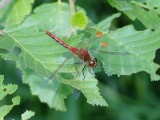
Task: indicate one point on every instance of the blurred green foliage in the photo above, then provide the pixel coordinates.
(132, 97)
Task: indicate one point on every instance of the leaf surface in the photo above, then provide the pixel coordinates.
(147, 14)
(13, 12)
(133, 51)
(41, 55)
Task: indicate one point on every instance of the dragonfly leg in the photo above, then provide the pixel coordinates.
(82, 68)
(77, 63)
(83, 71)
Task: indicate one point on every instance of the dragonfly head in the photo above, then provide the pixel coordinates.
(93, 63)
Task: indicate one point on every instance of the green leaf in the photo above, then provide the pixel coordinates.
(14, 11)
(40, 56)
(52, 93)
(146, 12)
(89, 88)
(131, 51)
(79, 20)
(112, 49)
(27, 115)
(5, 90)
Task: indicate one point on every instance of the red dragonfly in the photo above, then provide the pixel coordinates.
(83, 54)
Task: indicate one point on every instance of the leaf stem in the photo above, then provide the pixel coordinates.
(72, 6)
(59, 1)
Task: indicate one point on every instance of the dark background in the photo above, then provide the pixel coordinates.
(132, 97)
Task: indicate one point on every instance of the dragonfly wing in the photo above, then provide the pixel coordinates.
(55, 71)
(112, 52)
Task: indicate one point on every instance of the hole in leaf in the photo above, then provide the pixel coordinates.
(155, 8)
(146, 9)
(153, 29)
(4, 89)
(144, 3)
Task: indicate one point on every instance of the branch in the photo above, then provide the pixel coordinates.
(72, 6)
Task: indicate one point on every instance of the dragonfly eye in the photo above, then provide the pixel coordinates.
(93, 63)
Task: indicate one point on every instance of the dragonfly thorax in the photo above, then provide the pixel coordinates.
(92, 63)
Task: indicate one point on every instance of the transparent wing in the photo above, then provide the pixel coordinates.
(55, 71)
(112, 52)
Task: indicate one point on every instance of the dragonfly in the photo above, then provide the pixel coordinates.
(82, 54)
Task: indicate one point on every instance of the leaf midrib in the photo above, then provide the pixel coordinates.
(25, 50)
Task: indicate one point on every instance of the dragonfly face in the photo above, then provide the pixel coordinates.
(92, 63)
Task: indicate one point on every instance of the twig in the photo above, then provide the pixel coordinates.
(72, 6)
(3, 3)
(59, 1)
